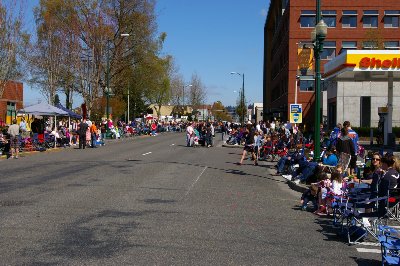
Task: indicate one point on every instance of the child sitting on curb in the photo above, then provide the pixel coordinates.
(310, 195)
(324, 184)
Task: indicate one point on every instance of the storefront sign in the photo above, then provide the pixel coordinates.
(364, 60)
(296, 113)
(368, 62)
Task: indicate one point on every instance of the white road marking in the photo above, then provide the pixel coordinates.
(171, 145)
(197, 179)
(147, 153)
(369, 244)
(368, 250)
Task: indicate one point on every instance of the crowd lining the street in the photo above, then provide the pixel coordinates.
(39, 135)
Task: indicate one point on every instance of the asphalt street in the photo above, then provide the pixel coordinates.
(153, 201)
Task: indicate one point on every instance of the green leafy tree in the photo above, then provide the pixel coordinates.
(241, 108)
(219, 112)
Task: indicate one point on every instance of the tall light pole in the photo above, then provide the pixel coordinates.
(183, 95)
(129, 89)
(107, 89)
(242, 103)
(318, 36)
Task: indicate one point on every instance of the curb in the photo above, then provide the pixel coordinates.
(301, 188)
(232, 146)
(297, 187)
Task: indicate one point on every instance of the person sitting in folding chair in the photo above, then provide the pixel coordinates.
(330, 160)
(390, 180)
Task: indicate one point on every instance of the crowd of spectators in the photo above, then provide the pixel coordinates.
(39, 134)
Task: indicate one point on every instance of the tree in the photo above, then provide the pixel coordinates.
(47, 52)
(177, 87)
(219, 112)
(241, 108)
(56, 99)
(159, 91)
(85, 38)
(197, 93)
(373, 40)
(13, 43)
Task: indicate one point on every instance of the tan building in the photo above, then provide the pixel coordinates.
(168, 111)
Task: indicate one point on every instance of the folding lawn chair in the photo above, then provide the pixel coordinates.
(390, 245)
(352, 217)
(393, 205)
(357, 230)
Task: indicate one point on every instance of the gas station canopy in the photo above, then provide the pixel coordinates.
(368, 65)
(364, 65)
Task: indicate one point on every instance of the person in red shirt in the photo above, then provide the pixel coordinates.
(153, 128)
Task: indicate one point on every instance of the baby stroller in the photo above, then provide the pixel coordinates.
(196, 138)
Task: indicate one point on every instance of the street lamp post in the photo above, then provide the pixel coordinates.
(318, 35)
(183, 96)
(129, 89)
(107, 89)
(242, 103)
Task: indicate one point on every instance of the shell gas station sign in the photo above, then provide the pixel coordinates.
(364, 61)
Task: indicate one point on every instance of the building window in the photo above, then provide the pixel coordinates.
(370, 19)
(370, 45)
(306, 85)
(391, 19)
(329, 17)
(392, 45)
(329, 51)
(11, 109)
(348, 45)
(349, 19)
(307, 19)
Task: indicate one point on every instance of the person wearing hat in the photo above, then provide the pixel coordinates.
(13, 132)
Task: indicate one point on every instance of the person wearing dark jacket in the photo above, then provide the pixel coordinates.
(249, 144)
(82, 128)
(345, 145)
(390, 180)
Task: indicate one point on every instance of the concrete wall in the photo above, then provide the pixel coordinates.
(348, 99)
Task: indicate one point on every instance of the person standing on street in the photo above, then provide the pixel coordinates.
(93, 135)
(22, 127)
(83, 127)
(354, 137)
(189, 135)
(13, 132)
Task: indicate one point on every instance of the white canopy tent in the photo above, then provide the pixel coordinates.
(44, 109)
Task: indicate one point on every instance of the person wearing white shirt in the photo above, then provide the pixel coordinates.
(189, 135)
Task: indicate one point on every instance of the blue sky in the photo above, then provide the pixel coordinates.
(210, 38)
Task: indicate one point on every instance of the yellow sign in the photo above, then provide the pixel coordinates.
(304, 60)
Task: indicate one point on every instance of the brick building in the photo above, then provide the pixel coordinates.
(362, 24)
(11, 100)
